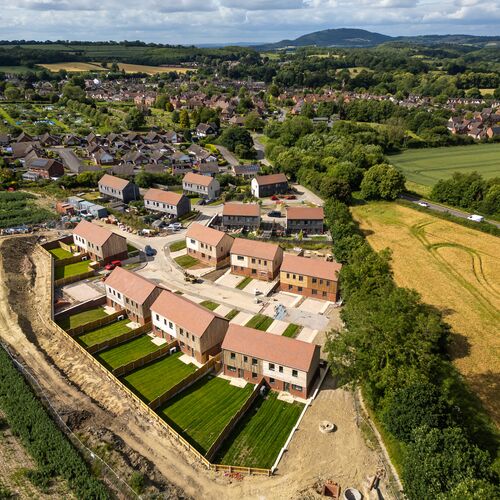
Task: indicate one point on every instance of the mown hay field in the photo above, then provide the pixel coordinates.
(455, 269)
(128, 68)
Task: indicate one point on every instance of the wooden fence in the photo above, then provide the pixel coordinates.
(82, 306)
(209, 366)
(93, 325)
(69, 260)
(73, 279)
(124, 337)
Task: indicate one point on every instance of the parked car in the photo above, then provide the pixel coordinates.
(111, 265)
(274, 213)
(149, 250)
(175, 226)
(201, 202)
(291, 197)
(423, 204)
(476, 218)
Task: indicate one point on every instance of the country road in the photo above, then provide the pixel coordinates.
(228, 156)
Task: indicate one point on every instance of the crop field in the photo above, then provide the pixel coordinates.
(201, 412)
(127, 352)
(260, 434)
(154, 379)
(456, 269)
(71, 270)
(18, 208)
(82, 318)
(427, 166)
(128, 68)
(59, 253)
(106, 332)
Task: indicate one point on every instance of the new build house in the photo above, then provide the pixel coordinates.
(129, 291)
(208, 245)
(100, 244)
(201, 185)
(269, 185)
(256, 259)
(286, 364)
(241, 216)
(309, 277)
(309, 220)
(167, 202)
(200, 332)
(119, 189)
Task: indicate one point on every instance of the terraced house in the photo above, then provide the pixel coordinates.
(200, 332)
(241, 216)
(286, 364)
(208, 245)
(309, 220)
(202, 185)
(128, 291)
(167, 202)
(310, 277)
(100, 244)
(119, 189)
(256, 259)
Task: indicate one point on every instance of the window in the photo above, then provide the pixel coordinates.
(290, 287)
(254, 375)
(171, 325)
(297, 388)
(231, 368)
(324, 294)
(271, 366)
(233, 355)
(299, 288)
(193, 241)
(245, 358)
(280, 369)
(315, 280)
(254, 271)
(192, 337)
(240, 257)
(295, 373)
(271, 380)
(327, 283)
(301, 278)
(157, 317)
(287, 275)
(253, 261)
(254, 361)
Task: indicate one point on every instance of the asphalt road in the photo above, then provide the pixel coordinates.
(228, 156)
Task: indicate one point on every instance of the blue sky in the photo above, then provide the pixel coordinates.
(214, 21)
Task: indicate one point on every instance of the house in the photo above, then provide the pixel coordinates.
(208, 245)
(126, 290)
(269, 185)
(102, 157)
(48, 140)
(309, 220)
(493, 131)
(309, 277)
(120, 189)
(211, 169)
(45, 167)
(284, 363)
(167, 202)
(99, 243)
(204, 129)
(257, 259)
(201, 185)
(246, 171)
(200, 154)
(200, 332)
(241, 216)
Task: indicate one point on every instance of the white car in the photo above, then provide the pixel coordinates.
(423, 204)
(176, 226)
(476, 218)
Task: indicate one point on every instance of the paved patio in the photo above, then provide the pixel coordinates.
(307, 334)
(242, 318)
(81, 291)
(278, 327)
(222, 310)
(314, 306)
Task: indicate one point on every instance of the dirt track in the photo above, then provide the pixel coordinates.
(107, 420)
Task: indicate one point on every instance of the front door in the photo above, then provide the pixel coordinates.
(286, 387)
(240, 373)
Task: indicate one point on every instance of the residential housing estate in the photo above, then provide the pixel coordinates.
(202, 185)
(167, 202)
(208, 245)
(241, 215)
(309, 220)
(256, 259)
(120, 189)
(269, 185)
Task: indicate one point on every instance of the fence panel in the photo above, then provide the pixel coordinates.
(92, 325)
(82, 306)
(73, 279)
(69, 260)
(124, 337)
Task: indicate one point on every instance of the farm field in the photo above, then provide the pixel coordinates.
(71, 270)
(107, 332)
(82, 318)
(201, 412)
(260, 434)
(127, 352)
(456, 269)
(128, 68)
(154, 379)
(427, 166)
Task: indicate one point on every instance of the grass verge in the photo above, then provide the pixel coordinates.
(260, 322)
(243, 283)
(186, 261)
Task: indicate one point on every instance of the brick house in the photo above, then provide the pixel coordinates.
(200, 332)
(310, 277)
(286, 364)
(256, 259)
(309, 220)
(201, 185)
(129, 291)
(269, 185)
(167, 202)
(99, 243)
(208, 245)
(241, 215)
(46, 168)
(120, 189)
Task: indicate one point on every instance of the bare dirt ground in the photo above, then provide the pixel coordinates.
(108, 422)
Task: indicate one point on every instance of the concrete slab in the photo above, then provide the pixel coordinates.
(237, 382)
(109, 310)
(242, 318)
(285, 298)
(222, 310)
(132, 325)
(189, 360)
(264, 287)
(81, 291)
(313, 305)
(193, 298)
(277, 327)
(179, 253)
(229, 280)
(158, 341)
(307, 334)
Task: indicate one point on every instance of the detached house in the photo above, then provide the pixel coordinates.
(256, 259)
(120, 189)
(129, 291)
(241, 216)
(99, 243)
(167, 202)
(45, 168)
(200, 332)
(309, 220)
(310, 277)
(204, 129)
(269, 185)
(285, 364)
(208, 245)
(202, 185)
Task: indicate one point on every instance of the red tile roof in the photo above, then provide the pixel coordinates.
(113, 182)
(253, 248)
(205, 234)
(301, 213)
(265, 180)
(130, 284)
(163, 196)
(202, 180)
(241, 209)
(97, 235)
(310, 267)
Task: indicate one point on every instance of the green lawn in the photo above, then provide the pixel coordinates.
(71, 269)
(82, 318)
(59, 253)
(260, 322)
(232, 314)
(260, 434)
(186, 261)
(201, 412)
(291, 330)
(209, 304)
(243, 283)
(178, 245)
(127, 352)
(158, 377)
(107, 332)
(427, 166)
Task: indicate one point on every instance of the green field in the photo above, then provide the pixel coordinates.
(127, 352)
(202, 411)
(427, 166)
(107, 332)
(156, 378)
(82, 318)
(260, 322)
(59, 253)
(71, 270)
(260, 434)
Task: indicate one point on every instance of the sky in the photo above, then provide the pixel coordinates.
(222, 21)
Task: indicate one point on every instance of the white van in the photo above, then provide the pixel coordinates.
(476, 218)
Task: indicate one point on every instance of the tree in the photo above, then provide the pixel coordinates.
(232, 137)
(135, 119)
(382, 181)
(175, 116)
(253, 121)
(12, 93)
(74, 92)
(334, 188)
(184, 119)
